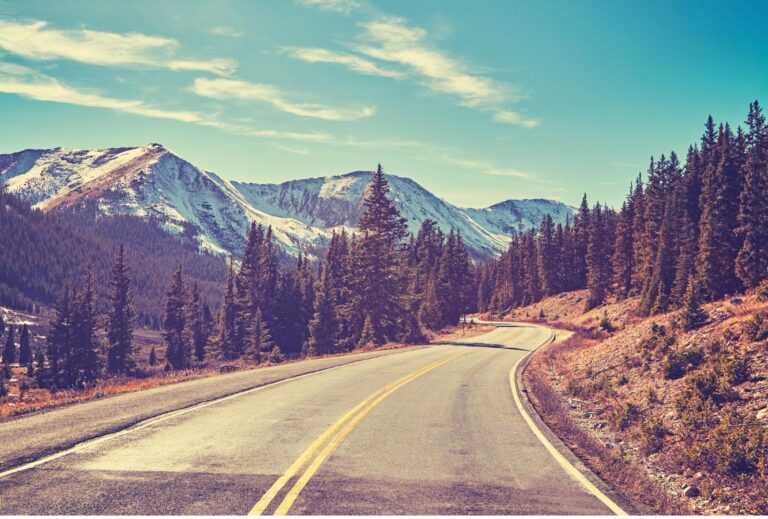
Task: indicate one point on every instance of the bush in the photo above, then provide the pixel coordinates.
(275, 355)
(653, 433)
(678, 364)
(756, 329)
(606, 325)
(735, 369)
(762, 290)
(625, 415)
(735, 446)
(659, 341)
(652, 398)
(712, 385)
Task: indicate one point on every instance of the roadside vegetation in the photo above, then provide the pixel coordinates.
(676, 418)
(376, 289)
(663, 388)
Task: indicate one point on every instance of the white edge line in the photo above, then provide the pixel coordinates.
(173, 414)
(564, 463)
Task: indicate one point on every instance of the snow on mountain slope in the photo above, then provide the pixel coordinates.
(513, 216)
(152, 181)
(147, 181)
(334, 201)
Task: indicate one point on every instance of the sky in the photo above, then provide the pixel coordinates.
(478, 101)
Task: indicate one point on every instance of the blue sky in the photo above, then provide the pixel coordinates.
(478, 101)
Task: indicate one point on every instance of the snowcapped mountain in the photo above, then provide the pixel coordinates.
(152, 181)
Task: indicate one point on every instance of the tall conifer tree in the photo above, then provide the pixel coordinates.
(120, 318)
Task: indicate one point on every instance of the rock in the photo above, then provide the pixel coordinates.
(762, 414)
(691, 491)
(698, 476)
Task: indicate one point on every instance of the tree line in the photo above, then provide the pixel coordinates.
(372, 287)
(689, 232)
(40, 251)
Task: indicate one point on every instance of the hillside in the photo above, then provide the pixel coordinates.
(677, 418)
(151, 181)
(41, 251)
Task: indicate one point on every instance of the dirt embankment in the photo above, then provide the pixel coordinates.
(676, 419)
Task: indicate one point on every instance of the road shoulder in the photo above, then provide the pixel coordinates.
(607, 494)
(34, 436)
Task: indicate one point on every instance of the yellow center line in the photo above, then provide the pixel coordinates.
(351, 419)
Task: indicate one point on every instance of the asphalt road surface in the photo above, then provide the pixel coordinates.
(433, 430)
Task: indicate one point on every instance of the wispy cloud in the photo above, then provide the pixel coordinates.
(231, 89)
(515, 118)
(339, 6)
(28, 83)
(391, 39)
(480, 166)
(37, 41)
(351, 61)
(226, 31)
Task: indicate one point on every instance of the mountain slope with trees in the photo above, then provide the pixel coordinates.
(40, 252)
(702, 223)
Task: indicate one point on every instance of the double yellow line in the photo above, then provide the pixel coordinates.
(327, 442)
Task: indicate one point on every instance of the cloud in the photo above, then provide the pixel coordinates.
(339, 6)
(226, 31)
(481, 166)
(391, 39)
(515, 118)
(28, 83)
(352, 62)
(227, 89)
(36, 41)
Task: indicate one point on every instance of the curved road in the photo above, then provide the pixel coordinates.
(433, 430)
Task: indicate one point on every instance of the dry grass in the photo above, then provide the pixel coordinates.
(588, 383)
(20, 402)
(607, 462)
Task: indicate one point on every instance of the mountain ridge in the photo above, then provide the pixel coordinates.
(151, 180)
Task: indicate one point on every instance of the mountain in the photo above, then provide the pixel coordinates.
(41, 251)
(151, 181)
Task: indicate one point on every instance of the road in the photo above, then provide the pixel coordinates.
(432, 430)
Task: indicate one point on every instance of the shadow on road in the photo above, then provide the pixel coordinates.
(481, 345)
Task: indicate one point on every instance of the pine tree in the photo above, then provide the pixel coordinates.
(622, 260)
(60, 338)
(381, 216)
(85, 347)
(2, 325)
(719, 219)
(581, 234)
(378, 279)
(9, 352)
(41, 377)
(152, 357)
(694, 315)
(598, 274)
(226, 338)
(324, 326)
(25, 350)
(177, 351)
(368, 335)
(120, 318)
(248, 296)
(655, 297)
(752, 259)
(195, 323)
(430, 314)
(546, 257)
(264, 342)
